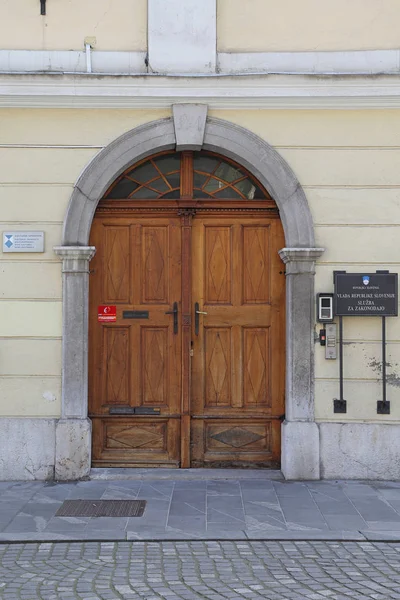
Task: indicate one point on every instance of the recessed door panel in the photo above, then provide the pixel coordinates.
(154, 264)
(139, 441)
(117, 256)
(256, 367)
(154, 367)
(256, 264)
(116, 371)
(218, 366)
(218, 265)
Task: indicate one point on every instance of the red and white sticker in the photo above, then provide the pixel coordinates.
(107, 314)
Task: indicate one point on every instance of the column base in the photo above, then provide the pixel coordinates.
(300, 450)
(73, 449)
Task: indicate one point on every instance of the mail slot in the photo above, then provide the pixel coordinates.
(135, 314)
(122, 410)
(134, 410)
(147, 410)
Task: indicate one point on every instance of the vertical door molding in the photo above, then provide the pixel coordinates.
(73, 430)
(300, 434)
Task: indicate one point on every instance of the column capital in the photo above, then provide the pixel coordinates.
(300, 260)
(75, 258)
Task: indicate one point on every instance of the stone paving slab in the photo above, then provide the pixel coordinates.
(212, 570)
(221, 508)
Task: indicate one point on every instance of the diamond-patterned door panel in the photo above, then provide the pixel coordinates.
(235, 442)
(154, 264)
(218, 265)
(256, 259)
(137, 436)
(117, 385)
(256, 356)
(218, 366)
(154, 371)
(142, 441)
(116, 265)
(238, 437)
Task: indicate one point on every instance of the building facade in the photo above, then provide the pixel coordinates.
(199, 171)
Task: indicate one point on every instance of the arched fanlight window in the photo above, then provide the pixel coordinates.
(206, 175)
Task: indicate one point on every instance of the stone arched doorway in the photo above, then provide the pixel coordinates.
(189, 129)
(191, 370)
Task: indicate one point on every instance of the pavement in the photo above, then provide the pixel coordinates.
(204, 505)
(213, 535)
(215, 570)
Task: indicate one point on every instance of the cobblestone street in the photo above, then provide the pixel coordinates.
(200, 569)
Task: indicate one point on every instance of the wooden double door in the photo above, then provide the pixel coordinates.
(191, 372)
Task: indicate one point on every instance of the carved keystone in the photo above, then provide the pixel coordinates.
(189, 123)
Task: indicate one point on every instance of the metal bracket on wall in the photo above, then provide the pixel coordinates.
(383, 406)
(340, 404)
(42, 7)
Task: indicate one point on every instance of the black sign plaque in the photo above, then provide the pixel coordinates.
(366, 295)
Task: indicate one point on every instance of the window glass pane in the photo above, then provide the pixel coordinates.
(250, 190)
(206, 164)
(159, 185)
(145, 193)
(213, 185)
(200, 194)
(199, 180)
(144, 173)
(174, 180)
(228, 193)
(258, 194)
(122, 189)
(172, 195)
(228, 173)
(168, 163)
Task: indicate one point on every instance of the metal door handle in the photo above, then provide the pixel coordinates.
(174, 312)
(197, 312)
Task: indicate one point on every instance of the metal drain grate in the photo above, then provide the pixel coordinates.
(101, 508)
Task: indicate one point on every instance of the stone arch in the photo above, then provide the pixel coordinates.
(235, 142)
(189, 129)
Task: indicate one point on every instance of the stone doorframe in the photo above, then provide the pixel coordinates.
(189, 128)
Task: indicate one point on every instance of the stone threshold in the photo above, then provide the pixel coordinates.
(140, 474)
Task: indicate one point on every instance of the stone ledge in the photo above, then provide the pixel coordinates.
(360, 451)
(28, 449)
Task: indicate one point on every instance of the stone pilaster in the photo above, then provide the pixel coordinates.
(73, 431)
(300, 434)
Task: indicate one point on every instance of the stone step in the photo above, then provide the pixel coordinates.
(109, 474)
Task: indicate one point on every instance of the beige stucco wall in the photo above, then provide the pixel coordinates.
(347, 162)
(251, 26)
(116, 24)
(290, 25)
(35, 186)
